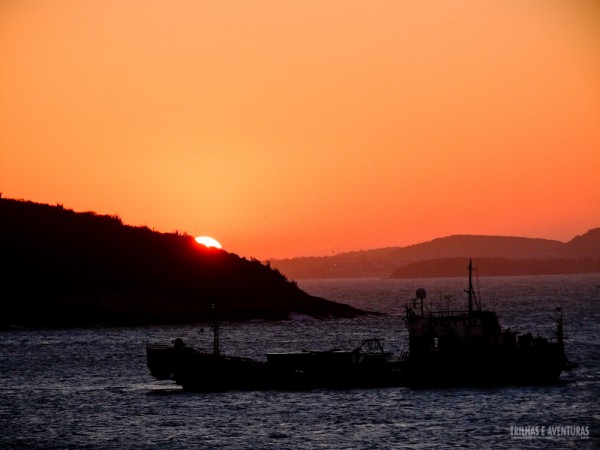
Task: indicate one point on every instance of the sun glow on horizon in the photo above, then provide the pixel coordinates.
(208, 242)
(296, 129)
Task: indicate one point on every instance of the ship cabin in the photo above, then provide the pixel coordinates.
(455, 331)
(447, 331)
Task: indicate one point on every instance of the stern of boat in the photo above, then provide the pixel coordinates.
(161, 361)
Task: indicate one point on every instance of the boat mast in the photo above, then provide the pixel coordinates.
(471, 292)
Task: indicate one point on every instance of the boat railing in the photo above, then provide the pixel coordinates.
(448, 313)
(427, 311)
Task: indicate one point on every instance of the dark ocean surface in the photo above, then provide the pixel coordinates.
(90, 388)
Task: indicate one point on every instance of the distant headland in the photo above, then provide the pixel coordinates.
(448, 256)
(66, 268)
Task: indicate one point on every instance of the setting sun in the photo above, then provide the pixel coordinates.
(209, 242)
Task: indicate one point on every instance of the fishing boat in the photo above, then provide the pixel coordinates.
(446, 348)
(468, 347)
(366, 366)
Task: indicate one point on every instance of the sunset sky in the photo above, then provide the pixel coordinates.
(292, 128)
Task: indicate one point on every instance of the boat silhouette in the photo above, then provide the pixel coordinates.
(468, 347)
(446, 348)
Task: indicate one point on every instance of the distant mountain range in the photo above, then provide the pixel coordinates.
(500, 255)
(64, 268)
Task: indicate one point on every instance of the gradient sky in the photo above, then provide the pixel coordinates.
(290, 127)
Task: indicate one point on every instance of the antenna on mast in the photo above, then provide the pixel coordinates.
(471, 291)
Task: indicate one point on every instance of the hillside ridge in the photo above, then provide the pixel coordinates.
(383, 262)
(67, 268)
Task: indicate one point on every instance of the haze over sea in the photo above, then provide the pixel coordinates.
(90, 388)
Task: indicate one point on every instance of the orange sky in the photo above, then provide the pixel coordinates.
(286, 128)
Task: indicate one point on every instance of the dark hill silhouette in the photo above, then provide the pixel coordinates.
(383, 262)
(583, 246)
(62, 268)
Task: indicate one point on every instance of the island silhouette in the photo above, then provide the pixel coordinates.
(448, 257)
(67, 268)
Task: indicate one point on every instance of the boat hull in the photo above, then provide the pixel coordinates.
(201, 372)
(485, 369)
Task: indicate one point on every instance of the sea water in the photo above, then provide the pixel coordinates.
(90, 387)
